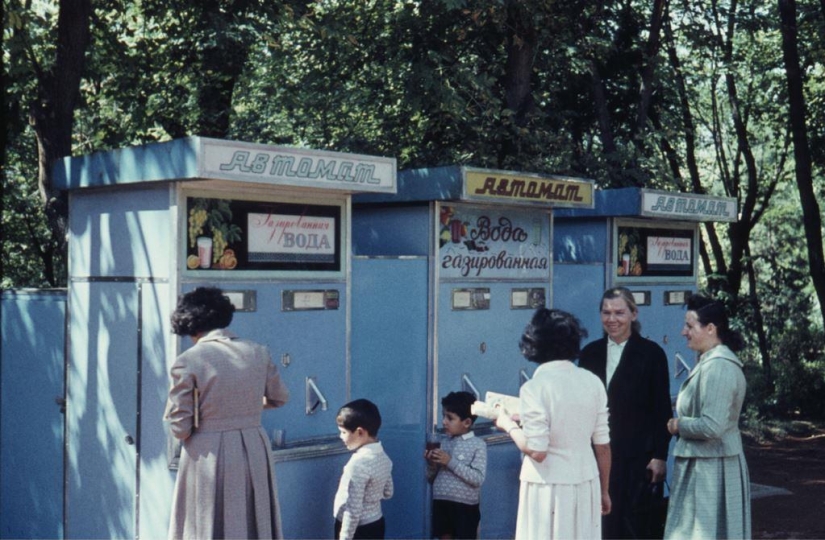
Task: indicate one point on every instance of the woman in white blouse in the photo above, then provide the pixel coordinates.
(563, 433)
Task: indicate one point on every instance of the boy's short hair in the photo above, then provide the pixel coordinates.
(459, 403)
(361, 413)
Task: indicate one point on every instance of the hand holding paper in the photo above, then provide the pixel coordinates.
(495, 404)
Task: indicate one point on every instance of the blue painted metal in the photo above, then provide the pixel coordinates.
(580, 241)
(578, 290)
(101, 411)
(608, 203)
(122, 233)
(389, 367)
(482, 343)
(155, 479)
(391, 231)
(31, 424)
(316, 345)
(499, 493)
(306, 489)
(417, 185)
(164, 161)
(201, 158)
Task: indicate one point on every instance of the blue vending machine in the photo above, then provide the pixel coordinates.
(446, 274)
(269, 225)
(645, 240)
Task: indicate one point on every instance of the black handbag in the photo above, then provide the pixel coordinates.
(648, 510)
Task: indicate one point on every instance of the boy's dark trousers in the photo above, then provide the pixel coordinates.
(454, 519)
(370, 531)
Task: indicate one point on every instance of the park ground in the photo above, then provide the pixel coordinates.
(790, 459)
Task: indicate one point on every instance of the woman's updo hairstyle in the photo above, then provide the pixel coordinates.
(713, 311)
(552, 335)
(202, 310)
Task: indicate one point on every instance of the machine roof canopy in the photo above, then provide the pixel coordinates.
(200, 158)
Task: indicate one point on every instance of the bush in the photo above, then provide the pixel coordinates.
(800, 387)
(796, 391)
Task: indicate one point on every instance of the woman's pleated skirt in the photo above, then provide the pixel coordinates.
(559, 511)
(709, 498)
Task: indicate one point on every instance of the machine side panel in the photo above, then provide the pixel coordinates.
(578, 289)
(101, 410)
(391, 232)
(156, 481)
(112, 236)
(31, 425)
(581, 241)
(389, 367)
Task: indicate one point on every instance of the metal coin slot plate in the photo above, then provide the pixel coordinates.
(243, 300)
(471, 299)
(642, 298)
(304, 300)
(676, 298)
(527, 298)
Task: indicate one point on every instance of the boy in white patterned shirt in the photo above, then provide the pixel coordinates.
(367, 477)
(457, 470)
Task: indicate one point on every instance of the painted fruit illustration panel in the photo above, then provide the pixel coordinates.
(228, 235)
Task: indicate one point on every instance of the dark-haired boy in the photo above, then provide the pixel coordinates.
(367, 476)
(457, 470)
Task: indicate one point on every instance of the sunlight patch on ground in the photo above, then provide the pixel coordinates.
(759, 490)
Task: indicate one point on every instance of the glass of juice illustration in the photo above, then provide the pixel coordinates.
(205, 251)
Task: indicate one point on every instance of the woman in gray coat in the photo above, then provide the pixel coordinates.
(226, 479)
(710, 493)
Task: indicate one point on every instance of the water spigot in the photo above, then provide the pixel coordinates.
(314, 397)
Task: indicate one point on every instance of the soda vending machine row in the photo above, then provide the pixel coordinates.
(269, 225)
(446, 274)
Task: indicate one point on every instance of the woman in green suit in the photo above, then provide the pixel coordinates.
(710, 492)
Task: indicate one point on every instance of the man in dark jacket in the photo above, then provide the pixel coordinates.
(635, 373)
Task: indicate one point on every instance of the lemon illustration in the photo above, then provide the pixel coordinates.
(192, 262)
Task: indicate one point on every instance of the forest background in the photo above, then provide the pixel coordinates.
(724, 97)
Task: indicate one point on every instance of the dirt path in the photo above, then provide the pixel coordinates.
(796, 464)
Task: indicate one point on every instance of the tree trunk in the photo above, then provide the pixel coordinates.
(52, 113)
(649, 71)
(518, 92)
(692, 165)
(602, 112)
(759, 321)
(804, 175)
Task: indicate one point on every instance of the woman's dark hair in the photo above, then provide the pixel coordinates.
(625, 294)
(552, 335)
(361, 413)
(201, 310)
(713, 311)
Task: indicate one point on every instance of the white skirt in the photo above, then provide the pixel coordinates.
(559, 511)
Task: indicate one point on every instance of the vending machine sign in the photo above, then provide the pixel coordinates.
(291, 238)
(487, 243)
(658, 252)
(229, 234)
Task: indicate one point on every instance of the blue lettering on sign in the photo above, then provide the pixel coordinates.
(306, 241)
(476, 264)
(305, 168)
(676, 255)
(690, 206)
